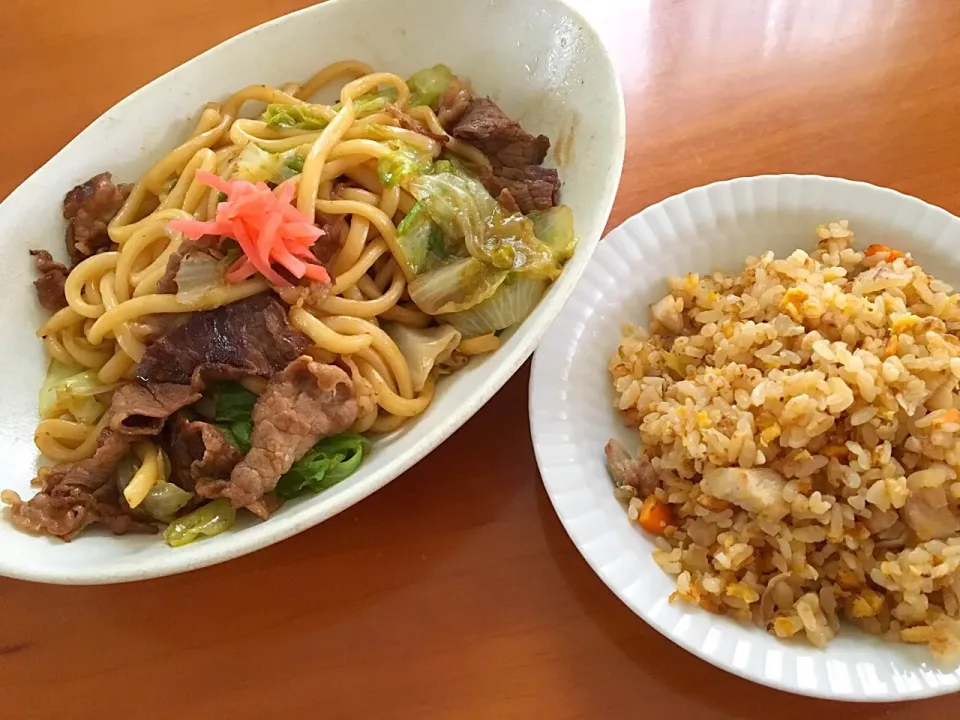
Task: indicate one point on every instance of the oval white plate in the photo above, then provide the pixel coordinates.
(548, 69)
(572, 414)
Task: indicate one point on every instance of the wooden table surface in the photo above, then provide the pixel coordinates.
(454, 592)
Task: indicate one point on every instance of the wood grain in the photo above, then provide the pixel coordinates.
(454, 592)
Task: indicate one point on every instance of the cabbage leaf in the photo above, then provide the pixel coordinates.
(301, 117)
(74, 391)
(467, 213)
(554, 228)
(423, 348)
(402, 163)
(428, 85)
(421, 240)
(508, 306)
(254, 164)
(454, 285)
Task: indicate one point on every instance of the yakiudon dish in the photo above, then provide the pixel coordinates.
(289, 281)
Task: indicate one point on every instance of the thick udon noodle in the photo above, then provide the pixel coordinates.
(108, 293)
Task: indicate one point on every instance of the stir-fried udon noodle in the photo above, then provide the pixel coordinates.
(287, 281)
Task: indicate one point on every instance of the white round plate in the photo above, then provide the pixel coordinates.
(540, 60)
(572, 413)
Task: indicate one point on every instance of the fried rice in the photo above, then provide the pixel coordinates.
(799, 426)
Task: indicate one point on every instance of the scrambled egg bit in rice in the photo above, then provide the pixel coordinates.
(799, 425)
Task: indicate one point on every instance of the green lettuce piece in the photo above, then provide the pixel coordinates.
(302, 117)
(328, 462)
(428, 85)
(206, 521)
(233, 413)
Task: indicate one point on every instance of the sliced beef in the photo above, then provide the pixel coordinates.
(141, 409)
(199, 453)
(335, 229)
(92, 473)
(76, 495)
(53, 277)
(305, 402)
(88, 209)
(515, 155)
(454, 103)
(487, 127)
(637, 473)
(532, 187)
(247, 338)
(69, 510)
(265, 506)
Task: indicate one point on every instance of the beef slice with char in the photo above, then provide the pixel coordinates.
(76, 495)
(515, 155)
(485, 126)
(88, 209)
(248, 338)
(305, 402)
(50, 284)
(141, 409)
(199, 453)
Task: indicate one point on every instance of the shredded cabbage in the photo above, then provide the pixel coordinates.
(421, 240)
(402, 163)
(372, 102)
(428, 85)
(423, 348)
(302, 117)
(200, 274)
(70, 390)
(554, 228)
(466, 212)
(254, 164)
(510, 304)
(455, 285)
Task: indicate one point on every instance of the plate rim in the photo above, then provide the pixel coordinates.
(538, 381)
